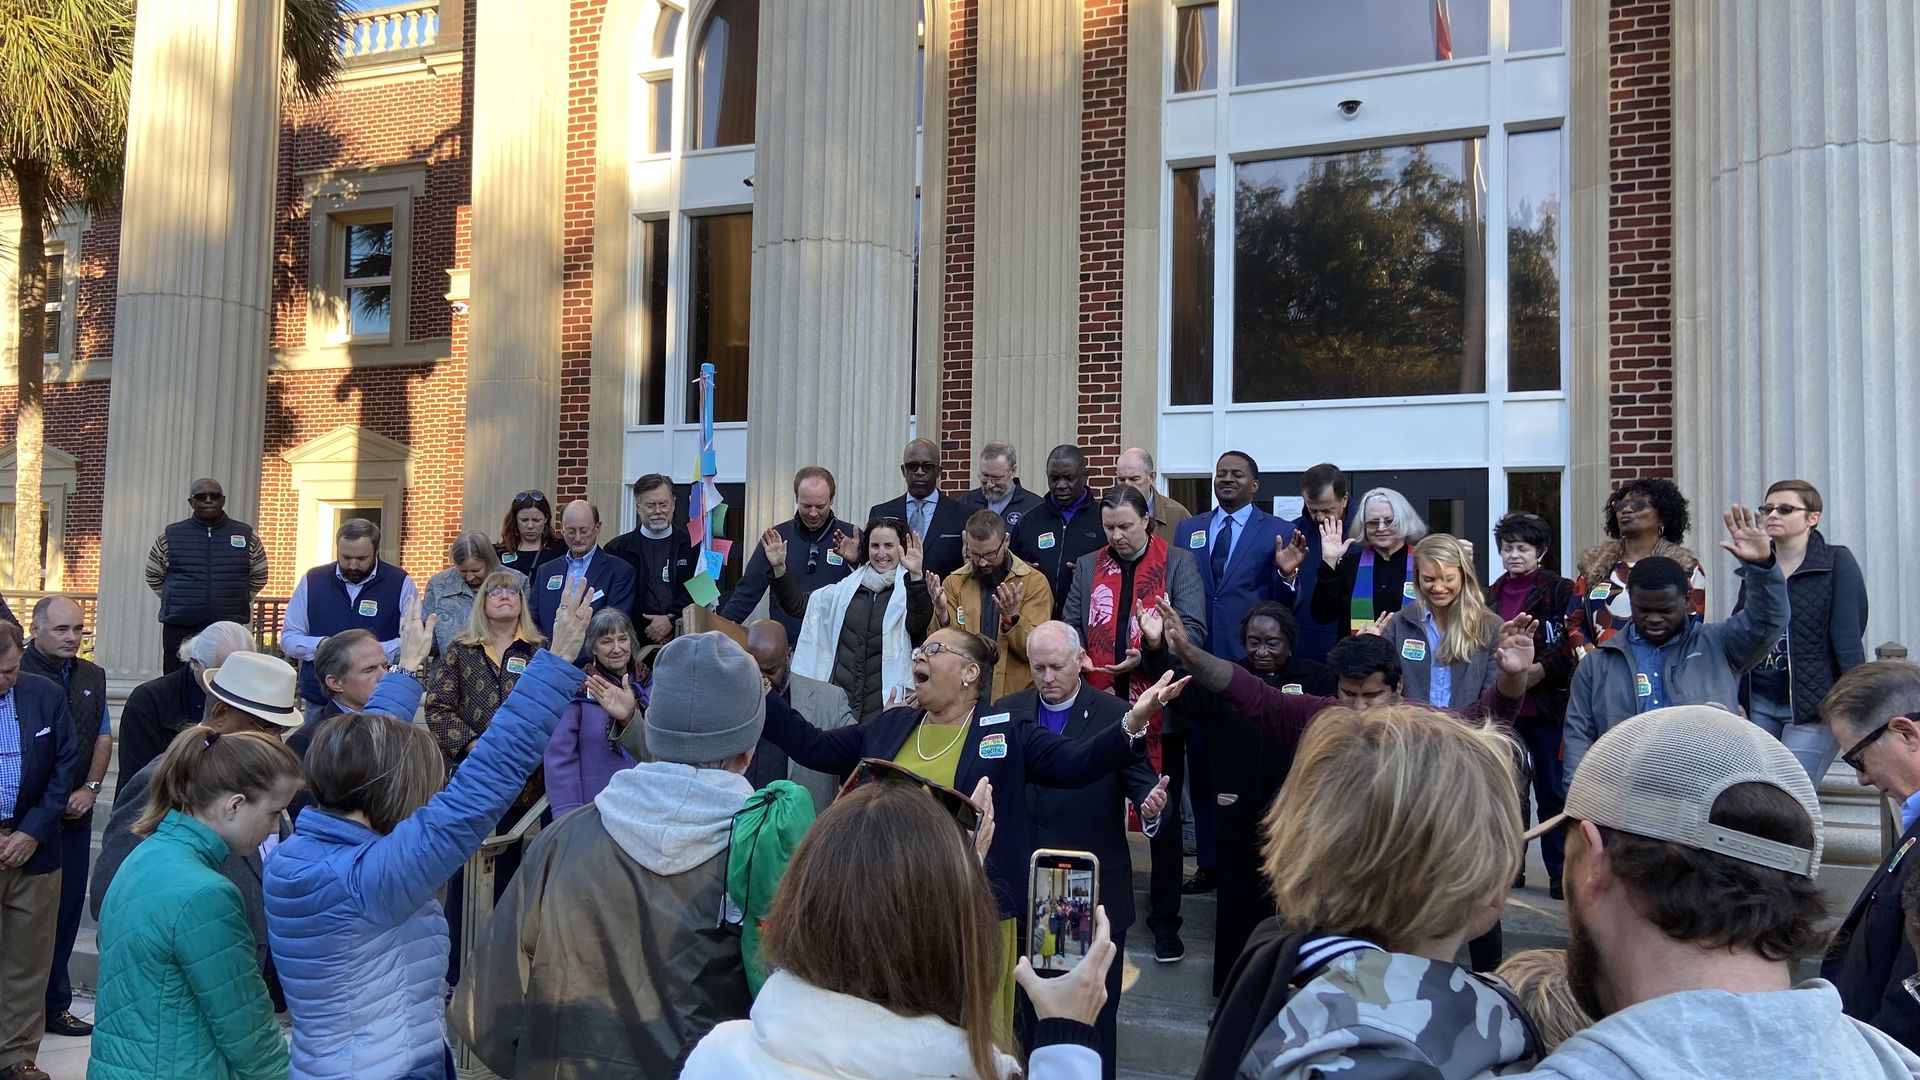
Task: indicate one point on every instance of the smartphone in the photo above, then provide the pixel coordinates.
(1063, 888)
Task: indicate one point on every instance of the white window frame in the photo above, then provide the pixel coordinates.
(1488, 97)
(336, 199)
(59, 476)
(59, 303)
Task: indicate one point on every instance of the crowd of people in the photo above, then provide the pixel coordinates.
(799, 844)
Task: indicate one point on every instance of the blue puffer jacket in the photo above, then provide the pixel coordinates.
(352, 917)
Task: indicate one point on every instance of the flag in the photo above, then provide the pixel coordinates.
(1442, 31)
(706, 507)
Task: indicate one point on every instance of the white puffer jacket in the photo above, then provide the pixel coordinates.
(802, 1031)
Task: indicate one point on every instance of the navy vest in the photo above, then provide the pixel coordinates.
(329, 611)
(208, 572)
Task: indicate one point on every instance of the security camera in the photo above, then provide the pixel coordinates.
(1349, 108)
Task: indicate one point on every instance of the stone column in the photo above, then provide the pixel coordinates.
(519, 157)
(1797, 264)
(195, 288)
(832, 251)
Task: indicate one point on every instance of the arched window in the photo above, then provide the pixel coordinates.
(723, 73)
(654, 128)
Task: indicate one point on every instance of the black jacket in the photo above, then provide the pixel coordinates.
(1022, 753)
(1826, 628)
(1870, 955)
(1092, 818)
(1333, 589)
(86, 692)
(1048, 542)
(1019, 501)
(804, 549)
(659, 584)
(943, 550)
(860, 651)
(156, 711)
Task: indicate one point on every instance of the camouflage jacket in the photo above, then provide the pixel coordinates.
(1372, 1015)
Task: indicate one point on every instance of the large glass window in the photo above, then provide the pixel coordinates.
(1539, 493)
(651, 378)
(1533, 261)
(56, 305)
(1360, 274)
(1534, 24)
(1192, 280)
(367, 277)
(1196, 55)
(722, 295)
(724, 75)
(1302, 39)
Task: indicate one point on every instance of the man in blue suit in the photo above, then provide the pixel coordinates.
(38, 758)
(609, 577)
(1240, 550)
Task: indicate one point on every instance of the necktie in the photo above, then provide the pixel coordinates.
(920, 511)
(1222, 545)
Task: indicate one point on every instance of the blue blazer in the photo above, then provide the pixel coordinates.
(608, 575)
(1027, 753)
(48, 758)
(1250, 576)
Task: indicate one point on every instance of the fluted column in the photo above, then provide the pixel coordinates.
(1796, 324)
(1026, 359)
(519, 157)
(195, 285)
(832, 251)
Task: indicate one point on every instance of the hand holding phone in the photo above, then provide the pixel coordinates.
(1063, 889)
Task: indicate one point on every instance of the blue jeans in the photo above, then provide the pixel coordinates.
(1812, 745)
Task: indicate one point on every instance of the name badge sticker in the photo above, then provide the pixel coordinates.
(993, 746)
(516, 665)
(1602, 591)
(1900, 854)
(1642, 685)
(1197, 539)
(1413, 649)
(1046, 542)
(996, 718)
(237, 541)
(834, 559)
(1293, 688)
(369, 609)
(553, 583)
(1406, 589)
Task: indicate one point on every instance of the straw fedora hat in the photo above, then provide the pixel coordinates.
(258, 684)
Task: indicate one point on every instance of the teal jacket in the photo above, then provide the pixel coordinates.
(180, 987)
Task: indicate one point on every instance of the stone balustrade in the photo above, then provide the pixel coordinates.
(385, 31)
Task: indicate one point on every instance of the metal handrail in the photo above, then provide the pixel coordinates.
(476, 910)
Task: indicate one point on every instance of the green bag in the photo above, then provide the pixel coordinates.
(765, 832)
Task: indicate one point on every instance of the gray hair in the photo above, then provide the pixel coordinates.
(1003, 451)
(1064, 629)
(212, 646)
(358, 529)
(1413, 528)
(1146, 459)
(473, 545)
(330, 658)
(606, 621)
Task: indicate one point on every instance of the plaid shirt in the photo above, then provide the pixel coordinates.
(11, 757)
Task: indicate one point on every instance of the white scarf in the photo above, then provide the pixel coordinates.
(873, 580)
(827, 613)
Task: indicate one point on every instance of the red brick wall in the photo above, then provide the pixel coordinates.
(76, 422)
(576, 261)
(955, 429)
(1640, 238)
(1103, 157)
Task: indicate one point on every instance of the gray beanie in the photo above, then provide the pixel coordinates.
(708, 701)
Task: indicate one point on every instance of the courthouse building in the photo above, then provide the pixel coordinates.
(1496, 253)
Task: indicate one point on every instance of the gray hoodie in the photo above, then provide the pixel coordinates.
(1712, 1033)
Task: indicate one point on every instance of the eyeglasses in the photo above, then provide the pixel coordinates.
(1911, 984)
(1782, 509)
(1631, 506)
(881, 771)
(530, 496)
(932, 648)
(1853, 756)
(502, 590)
(1379, 524)
(208, 497)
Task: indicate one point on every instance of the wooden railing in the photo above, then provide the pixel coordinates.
(269, 613)
(396, 29)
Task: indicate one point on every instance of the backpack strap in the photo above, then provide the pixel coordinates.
(1273, 967)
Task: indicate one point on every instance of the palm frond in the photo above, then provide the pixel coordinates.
(312, 33)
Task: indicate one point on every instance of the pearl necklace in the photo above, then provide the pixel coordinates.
(920, 748)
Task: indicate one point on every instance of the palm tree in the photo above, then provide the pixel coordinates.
(65, 70)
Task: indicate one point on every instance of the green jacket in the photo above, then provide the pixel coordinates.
(180, 987)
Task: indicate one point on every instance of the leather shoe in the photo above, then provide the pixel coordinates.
(23, 1070)
(1200, 882)
(1556, 890)
(69, 1025)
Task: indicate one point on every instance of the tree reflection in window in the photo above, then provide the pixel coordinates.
(1360, 274)
(368, 277)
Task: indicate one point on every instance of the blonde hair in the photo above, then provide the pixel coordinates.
(201, 766)
(1395, 825)
(1539, 980)
(1413, 528)
(478, 631)
(1468, 627)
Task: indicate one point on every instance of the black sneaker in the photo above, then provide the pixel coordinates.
(69, 1025)
(1201, 882)
(1556, 890)
(1167, 948)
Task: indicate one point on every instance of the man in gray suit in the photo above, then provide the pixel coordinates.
(824, 704)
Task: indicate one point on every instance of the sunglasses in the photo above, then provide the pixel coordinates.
(1631, 506)
(1853, 756)
(530, 496)
(1783, 509)
(813, 559)
(881, 771)
(209, 497)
